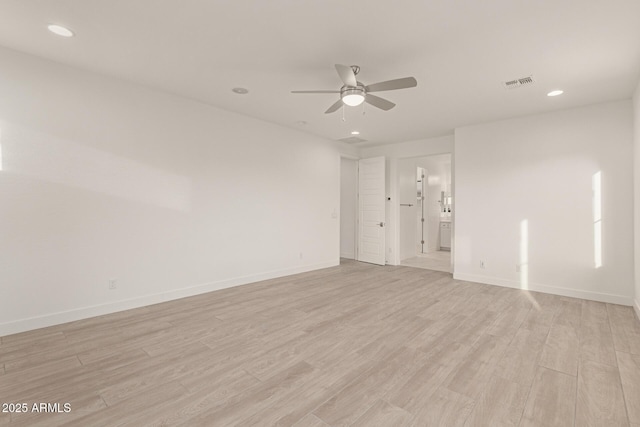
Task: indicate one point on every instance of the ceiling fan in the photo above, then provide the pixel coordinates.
(354, 93)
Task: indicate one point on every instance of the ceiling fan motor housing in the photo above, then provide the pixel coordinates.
(350, 90)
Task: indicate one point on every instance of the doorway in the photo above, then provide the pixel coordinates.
(425, 212)
(363, 209)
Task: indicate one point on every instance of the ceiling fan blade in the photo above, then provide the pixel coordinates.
(381, 103)
(346, 75)
(315, 91)
(335, 107)
(392, 85)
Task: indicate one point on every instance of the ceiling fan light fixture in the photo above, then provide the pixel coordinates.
(352, 96)
(353, 100)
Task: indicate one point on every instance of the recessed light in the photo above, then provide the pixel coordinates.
(301, 122)
(240, 90)
(60, 30)
(555, 93)
(355, 132)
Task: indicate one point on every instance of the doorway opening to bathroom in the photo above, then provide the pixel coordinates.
(426, 206)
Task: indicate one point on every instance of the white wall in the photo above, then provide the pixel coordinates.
(348, 207)
(103, 179)
(394, 152)
(540, 169)
(418, 148)
(636, 198)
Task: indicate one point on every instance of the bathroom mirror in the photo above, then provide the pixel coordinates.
(445, 202)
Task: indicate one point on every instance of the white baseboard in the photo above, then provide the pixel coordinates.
(555, 290)
(58, 318)
(636, 308)
(348, 255)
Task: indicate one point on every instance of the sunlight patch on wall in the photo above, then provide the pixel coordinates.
(597, 218)
(524, 263)
(524, 254)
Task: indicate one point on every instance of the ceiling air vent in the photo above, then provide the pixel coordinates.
(524, 81)
(352, 140)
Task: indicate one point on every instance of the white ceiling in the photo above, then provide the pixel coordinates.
(460, 51)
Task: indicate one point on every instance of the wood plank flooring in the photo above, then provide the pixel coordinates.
(353, 345)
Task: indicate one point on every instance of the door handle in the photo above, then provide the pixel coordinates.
(382, 224)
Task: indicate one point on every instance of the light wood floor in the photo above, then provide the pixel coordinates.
(437, 260)
(354, 345)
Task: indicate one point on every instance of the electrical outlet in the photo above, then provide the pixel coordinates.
(300, 255)
(518, 268)
(113, 284)
(482, 264)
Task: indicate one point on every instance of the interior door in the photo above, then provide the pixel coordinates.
(371, 210)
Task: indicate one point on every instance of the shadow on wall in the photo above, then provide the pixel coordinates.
(41, 156)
